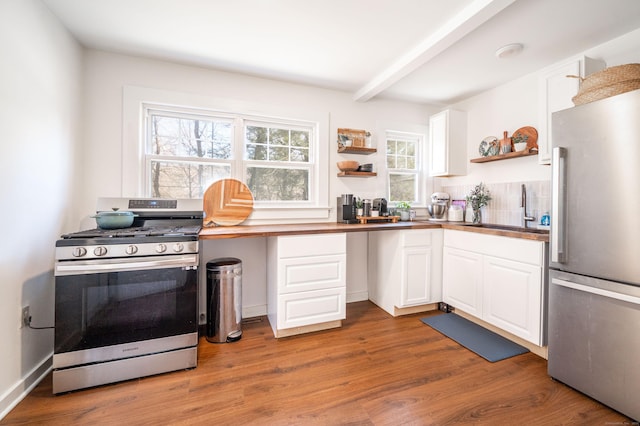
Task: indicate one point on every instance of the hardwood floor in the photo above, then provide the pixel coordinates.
(375, 370)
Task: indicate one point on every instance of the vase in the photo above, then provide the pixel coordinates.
(477, 216)
(520, 146)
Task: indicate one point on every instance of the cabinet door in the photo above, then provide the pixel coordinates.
(513, 297)
(462, 280)
(416, 276)
(556, 91)
(448, 143)
(438, 141)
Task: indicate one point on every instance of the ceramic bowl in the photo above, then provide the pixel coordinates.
(348, 166)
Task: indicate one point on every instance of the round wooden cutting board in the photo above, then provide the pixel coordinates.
(532, 136)
(227, 202)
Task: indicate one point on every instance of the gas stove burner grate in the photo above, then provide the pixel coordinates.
(136, 232)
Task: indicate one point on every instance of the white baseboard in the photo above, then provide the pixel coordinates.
(13, 397)
(357, 296)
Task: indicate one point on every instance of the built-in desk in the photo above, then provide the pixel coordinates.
(305, 266)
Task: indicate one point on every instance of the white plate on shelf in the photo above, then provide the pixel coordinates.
(489, 146)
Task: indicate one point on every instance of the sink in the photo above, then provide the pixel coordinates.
(511, 228)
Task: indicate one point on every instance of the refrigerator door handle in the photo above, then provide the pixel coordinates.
(599, 291)
(558, 203)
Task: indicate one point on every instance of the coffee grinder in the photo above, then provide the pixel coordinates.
(346, 209)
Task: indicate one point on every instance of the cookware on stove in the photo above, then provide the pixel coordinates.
(114, 219)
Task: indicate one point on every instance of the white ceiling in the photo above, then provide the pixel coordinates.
(428, 51)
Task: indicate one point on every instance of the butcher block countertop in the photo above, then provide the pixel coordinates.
(246, 231)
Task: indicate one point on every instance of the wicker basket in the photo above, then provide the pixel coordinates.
(608, 82)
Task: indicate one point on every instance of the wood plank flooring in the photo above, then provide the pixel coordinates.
(375, 370)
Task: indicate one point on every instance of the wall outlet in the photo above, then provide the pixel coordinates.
(26, 317)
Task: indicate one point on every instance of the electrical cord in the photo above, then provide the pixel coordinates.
(39, 328)
(36, 328)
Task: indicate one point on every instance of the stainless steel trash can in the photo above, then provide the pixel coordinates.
(224, 300)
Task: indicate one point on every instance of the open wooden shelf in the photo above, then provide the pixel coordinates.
(355, 150)
(357, 174)
(503, 156)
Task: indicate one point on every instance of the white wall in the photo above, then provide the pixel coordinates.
(514, 105)
(106, 76)
(40, 80)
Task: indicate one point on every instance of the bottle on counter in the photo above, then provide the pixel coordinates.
(367, 208)
(545, 220)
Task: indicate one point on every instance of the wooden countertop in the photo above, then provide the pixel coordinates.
(246, 231)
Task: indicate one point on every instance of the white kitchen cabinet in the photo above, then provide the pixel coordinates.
(448, 143)
(556, 91)
(463, 287)
(306, 282)
(405, 270)
(512, 297)
(500, 280)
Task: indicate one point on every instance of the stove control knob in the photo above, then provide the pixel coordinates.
(131, 249)
(79, 252)
(178, 247)
(161, 248)
(100, 251)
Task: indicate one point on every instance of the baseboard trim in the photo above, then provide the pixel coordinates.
(23, 387)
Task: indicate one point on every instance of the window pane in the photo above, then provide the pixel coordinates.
(256, 152)
(279, 137)
(402, 187)
(411, 149)
(274, 184)
(278, 154)
(300, 138)
(402, 148)
(282, 144)
(300, 154)
(184, 180)
(401, 162)
(391, 147)
(256, 134)
(411, 163)
(190, 137)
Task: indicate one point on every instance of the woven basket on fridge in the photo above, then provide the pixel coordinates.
(608, 82)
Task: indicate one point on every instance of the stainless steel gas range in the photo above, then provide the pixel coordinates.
(126, 299)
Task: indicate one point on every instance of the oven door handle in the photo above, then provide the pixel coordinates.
(78, 267)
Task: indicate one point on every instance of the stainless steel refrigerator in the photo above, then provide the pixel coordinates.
(594, 276)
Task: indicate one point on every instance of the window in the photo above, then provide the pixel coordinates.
(278, 161)
(403, 166)
(185, 152)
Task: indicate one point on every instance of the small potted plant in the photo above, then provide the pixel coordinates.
(520, 142)
(359, 207)
(478, 198)
(403, 207)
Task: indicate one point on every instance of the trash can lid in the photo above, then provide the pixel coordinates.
(223, 261)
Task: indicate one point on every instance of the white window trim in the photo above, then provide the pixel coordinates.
(133, 182)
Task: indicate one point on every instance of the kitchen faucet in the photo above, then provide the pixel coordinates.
(523, 204)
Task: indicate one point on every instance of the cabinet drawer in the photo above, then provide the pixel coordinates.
(520, 250)
(416, 238)
(311, 307)
(311, 245)
(311, 273)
